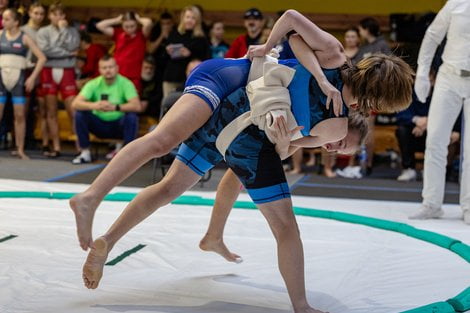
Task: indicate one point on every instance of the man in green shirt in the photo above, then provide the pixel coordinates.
(106, 107)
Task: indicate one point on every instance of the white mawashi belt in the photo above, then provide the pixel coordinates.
(11, 66)
(269, 98)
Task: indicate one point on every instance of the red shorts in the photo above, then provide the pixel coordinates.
(39, 92)
(66, 85)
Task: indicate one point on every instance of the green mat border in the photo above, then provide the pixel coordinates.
(459, 303)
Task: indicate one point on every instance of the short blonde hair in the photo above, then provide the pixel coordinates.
(197, 32)
(381, 83)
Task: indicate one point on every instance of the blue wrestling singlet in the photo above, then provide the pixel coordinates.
(17, 48)
(213, 80)
(251, 155)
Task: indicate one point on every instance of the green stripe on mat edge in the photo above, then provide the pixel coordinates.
(124, 255)
(459, 303)
(8, 238)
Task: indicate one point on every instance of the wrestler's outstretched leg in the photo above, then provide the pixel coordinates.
(187, 115)
(227, 193)
(282, 222)
(178, 179)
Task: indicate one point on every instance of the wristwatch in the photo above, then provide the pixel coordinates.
(118, 108)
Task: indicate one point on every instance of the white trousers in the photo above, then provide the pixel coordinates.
(451, 92)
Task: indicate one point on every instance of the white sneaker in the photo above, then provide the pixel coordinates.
(427, 212)
(408, 174)
(350, 172)
(113, 153)
(82, 158)
(466, 217)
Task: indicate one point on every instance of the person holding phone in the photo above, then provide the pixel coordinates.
(107, 107)
(185, 43)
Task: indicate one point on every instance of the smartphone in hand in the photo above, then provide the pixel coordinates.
(176, 50)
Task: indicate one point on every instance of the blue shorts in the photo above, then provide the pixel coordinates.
(213, 80)
(17, 93)
(251, 155)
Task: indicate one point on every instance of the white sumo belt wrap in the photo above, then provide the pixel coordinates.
(269, 98)
(11, 66)
(57, 74)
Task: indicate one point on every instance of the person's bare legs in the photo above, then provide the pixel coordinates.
(227, 193)
(297, 159)
(178, 179)
(43, 121)
(290, 252)
(328, 161)
(52, 122)
(312, 158)
(20, 130)
(71, 113)
(370, 144)
(187, 115)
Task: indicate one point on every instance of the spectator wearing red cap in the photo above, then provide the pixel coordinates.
(254, 25)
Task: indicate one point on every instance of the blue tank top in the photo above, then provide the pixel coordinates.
(307, 99)
(16, 47)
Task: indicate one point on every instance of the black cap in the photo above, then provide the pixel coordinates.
(253, 13)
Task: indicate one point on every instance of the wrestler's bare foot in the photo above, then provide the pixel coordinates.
(23, 155)
(218, 246)
(328, 172)
(311, 161)
(93, 267)
(84, 208)
(294, 171)
(20, 154)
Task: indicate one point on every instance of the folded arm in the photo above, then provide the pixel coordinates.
(65, 46)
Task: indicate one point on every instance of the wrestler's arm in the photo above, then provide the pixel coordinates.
(41, 60)
(326, 131)
(313, 47)
(316, 38)
(309, 60)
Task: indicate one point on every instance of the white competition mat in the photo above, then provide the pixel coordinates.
(349, 268)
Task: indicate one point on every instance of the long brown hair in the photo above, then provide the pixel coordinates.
(381, 83)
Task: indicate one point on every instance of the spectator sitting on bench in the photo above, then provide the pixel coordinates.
(411, 135)
(106, 107)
